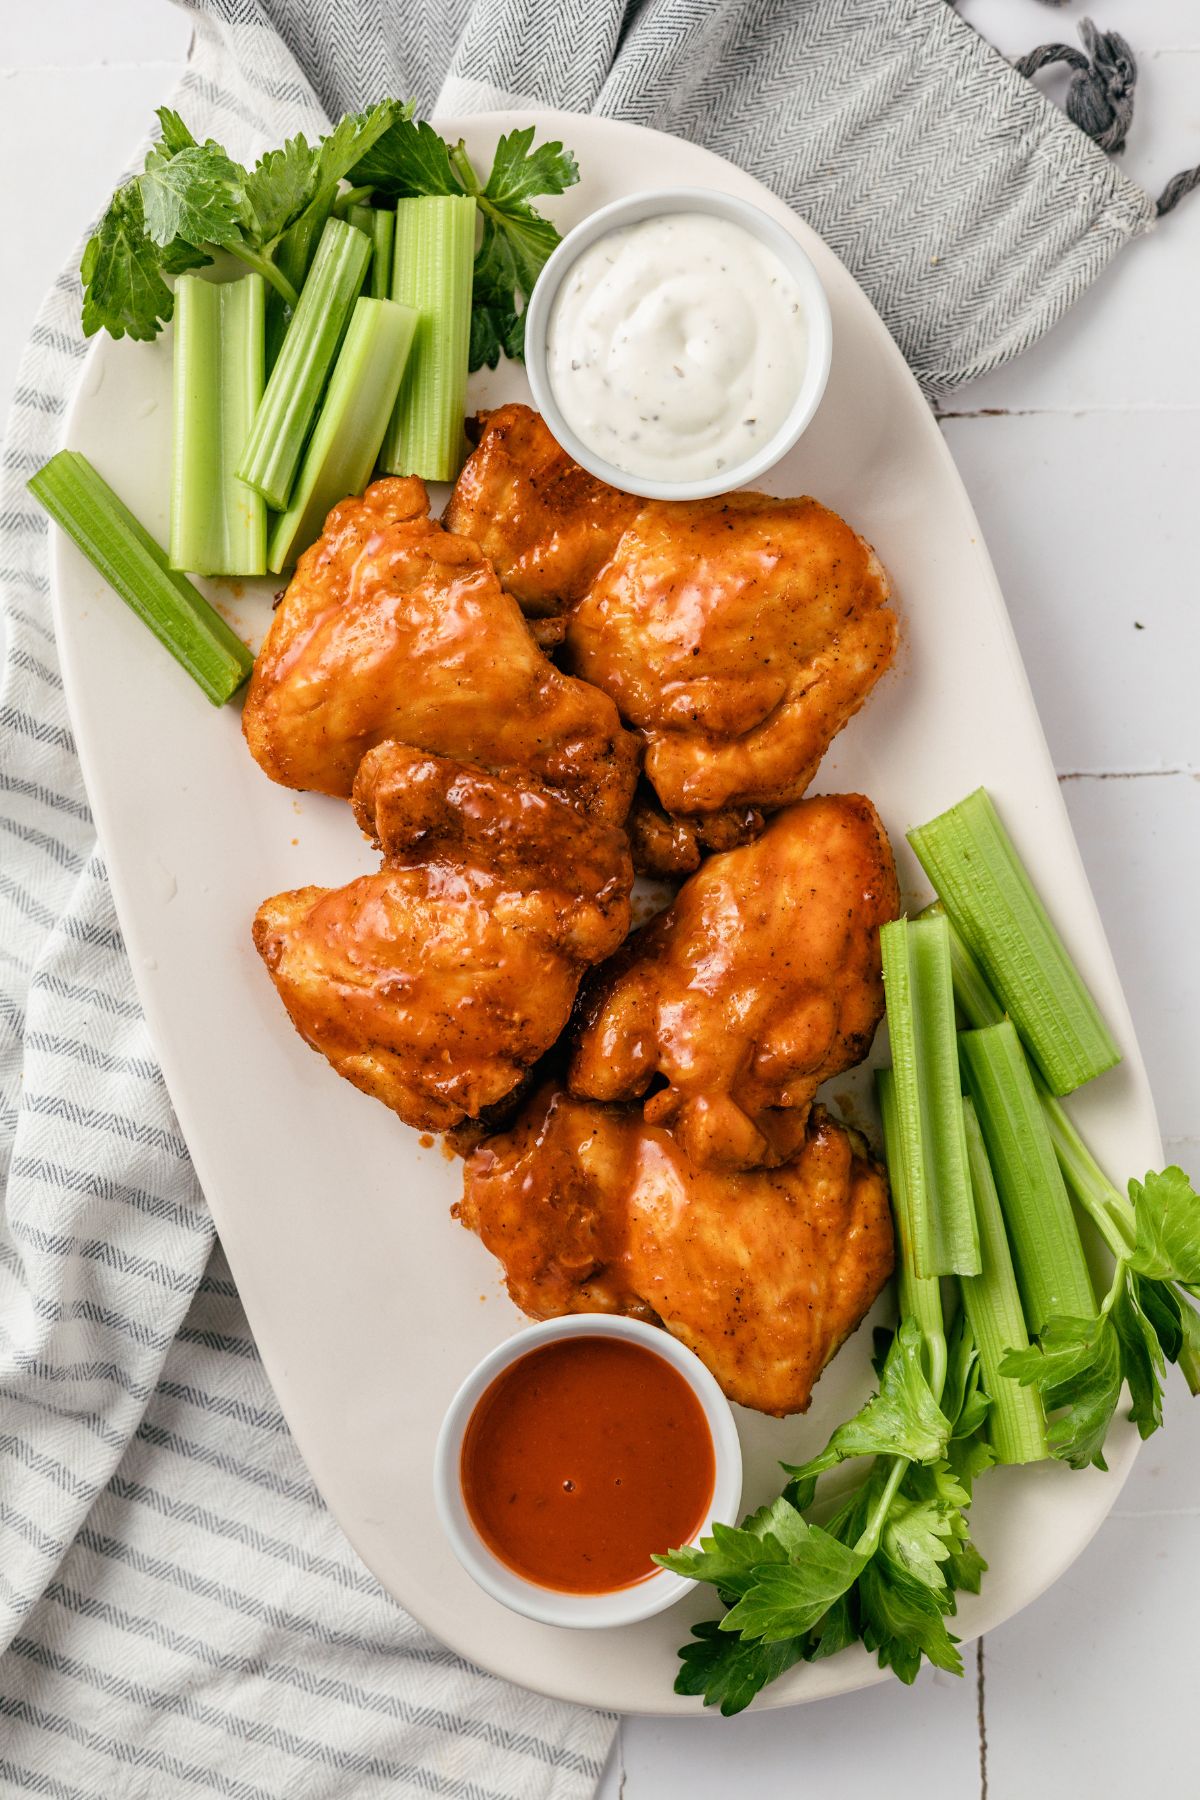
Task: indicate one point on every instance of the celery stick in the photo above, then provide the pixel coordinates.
(1016, 1422)
(293, 259)
(432, 271)
(383, 238)
(289, 405)
(970, 859)
(342, 450)
(123, 551)
(1051, 1270)
(920, 1296)
(218, 524)
(920, 1014)
(974, 998)
(1086, 1181)
(379, 223)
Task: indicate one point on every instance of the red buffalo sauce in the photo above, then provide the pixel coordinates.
(582, 1459)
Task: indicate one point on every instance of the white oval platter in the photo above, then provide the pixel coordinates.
(368, 1301)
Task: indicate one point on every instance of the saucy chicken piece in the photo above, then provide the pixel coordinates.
(667, 845)
(737, 636)
(395, 629)
(547, 526)
(436, 984)
(758, 983)
(764, 1275)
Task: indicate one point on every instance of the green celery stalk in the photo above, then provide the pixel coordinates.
(218, 524)
(293, 258)
(1051, 1270)
(284, 419)
(920, 1296)
(379, 223)
(123, 551)
(432, 271)
(920, 1014)
(345, 442)
(1016, 1421)
(982, 883)
(973, 996)
(1086, 1181)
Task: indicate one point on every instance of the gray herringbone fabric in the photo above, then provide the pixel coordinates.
(972, 212)
(182, 1617)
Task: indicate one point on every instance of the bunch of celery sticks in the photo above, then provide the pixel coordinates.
(984, 1163)
(344, 347)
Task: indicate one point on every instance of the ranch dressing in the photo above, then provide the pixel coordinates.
(676, 346)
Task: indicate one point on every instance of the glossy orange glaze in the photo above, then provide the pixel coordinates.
(583, 1459)
(737, 635)
(392, 628)
(436, 983)
(757, 984)
(547, 526)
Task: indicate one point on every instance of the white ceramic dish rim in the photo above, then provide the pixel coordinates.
(332, 1412)
(624, 1606)
(655, 203)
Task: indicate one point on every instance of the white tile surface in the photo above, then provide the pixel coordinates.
(56, 34)
(1140, 838)
(1080, 511)
(100, 115)
(1088, 508)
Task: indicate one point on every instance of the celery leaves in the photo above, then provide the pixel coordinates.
(193, 199)
(1147, 1321)
(1167, 1214)
(902, 1419)
(410, 159)
(197, 194)
(884, 1567)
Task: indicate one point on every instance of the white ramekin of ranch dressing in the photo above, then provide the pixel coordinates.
(678, 343)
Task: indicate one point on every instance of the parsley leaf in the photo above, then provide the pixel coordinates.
(409, 158)
(174, 133)
(731, 1558)
(902, 1419)
(123, 288)
(518, 171)
(280, 186)
(729, 1671)
(1167, 1213)
(1142, 1361)
(1075, 1366)
(785, 1600)
(197, 194)
(1188, 1356)
(356, 136)
(903, 1619)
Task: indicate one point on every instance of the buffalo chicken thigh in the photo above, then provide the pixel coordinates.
(763, 1275)
(395, 629)
(547, 525)
(737, 636)
(437, 983)
(758, 983)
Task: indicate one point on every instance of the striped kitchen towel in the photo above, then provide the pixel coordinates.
(180, 1613)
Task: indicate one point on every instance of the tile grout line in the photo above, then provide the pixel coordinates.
(97, 67)
(980, 1713)
(1125, 774)
(1114, 409)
